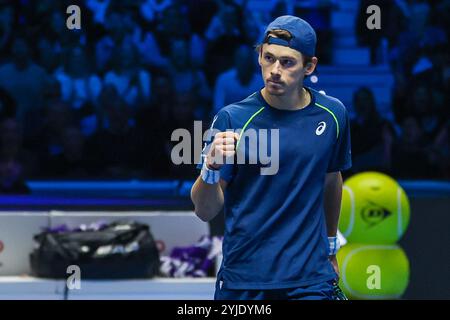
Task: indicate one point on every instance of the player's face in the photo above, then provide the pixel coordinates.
(282, 69)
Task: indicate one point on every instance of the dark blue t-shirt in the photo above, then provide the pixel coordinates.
(275, 230)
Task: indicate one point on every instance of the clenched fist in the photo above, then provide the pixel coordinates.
(223, 146)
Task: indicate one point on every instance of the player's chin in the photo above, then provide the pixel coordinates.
(274, 90)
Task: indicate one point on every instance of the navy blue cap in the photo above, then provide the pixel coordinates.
(303, 35)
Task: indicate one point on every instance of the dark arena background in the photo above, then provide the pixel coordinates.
(91, 92)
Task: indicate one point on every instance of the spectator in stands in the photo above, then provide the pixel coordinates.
(132, 82)
(53, 92)
(224, 23)
(115, 25)
(49, 55)
(7, 105)
(113, 33)
(154, 127)
(163, 98)
(252, 27)
(428, 107)
(148, 47)
(319, 15)
(36, 117)
(72, 162)
(400, 92)
(393, 21)
(23, 79)
(78, 83)
(372, 136)
(57, 23)
(419, 35)
(152, 9)
(187, 78)
(224, 34)
(237, 83)
(15, 162)
(103, 56)
(48, 140)
(183, 117)
(423, 107)
(99, 9)
(55, 27)
(411, 158)
(172, 25)
(113, 149)
(6, 29)
(183, 111)
(200, 13)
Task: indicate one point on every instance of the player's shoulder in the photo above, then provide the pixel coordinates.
(249, 105)
(329, 103)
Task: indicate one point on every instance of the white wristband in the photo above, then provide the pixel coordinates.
(210, 176)
(333, 245)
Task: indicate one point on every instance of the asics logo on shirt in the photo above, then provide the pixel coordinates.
(321, 128)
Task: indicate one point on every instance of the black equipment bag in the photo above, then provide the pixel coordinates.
(120, 250)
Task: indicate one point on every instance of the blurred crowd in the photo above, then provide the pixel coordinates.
(102, 102)
(414, 41)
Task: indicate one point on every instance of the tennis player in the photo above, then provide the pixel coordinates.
(280, 229)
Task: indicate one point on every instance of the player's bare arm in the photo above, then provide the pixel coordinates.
(208, 198)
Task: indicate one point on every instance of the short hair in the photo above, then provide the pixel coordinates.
(285, 35)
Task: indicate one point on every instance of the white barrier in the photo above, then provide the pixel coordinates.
(28, 288)
(16, 239)
(153, 289)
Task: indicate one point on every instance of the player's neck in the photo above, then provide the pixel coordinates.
(295, 101)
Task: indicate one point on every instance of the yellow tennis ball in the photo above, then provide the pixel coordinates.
(375, 209)
(373, 271)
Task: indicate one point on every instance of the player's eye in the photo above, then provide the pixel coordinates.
(286, 63)
(268, 58)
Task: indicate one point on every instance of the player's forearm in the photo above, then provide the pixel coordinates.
(332, 201)
(207, 198)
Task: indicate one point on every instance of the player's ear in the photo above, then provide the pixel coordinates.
(310, 66)
(259, 51)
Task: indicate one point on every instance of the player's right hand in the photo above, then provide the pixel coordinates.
(222, 147)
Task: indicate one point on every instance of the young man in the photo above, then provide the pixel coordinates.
(280, 229)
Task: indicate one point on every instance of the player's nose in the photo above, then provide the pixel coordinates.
(276, 71)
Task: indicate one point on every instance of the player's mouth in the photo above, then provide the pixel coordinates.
(274, 82)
